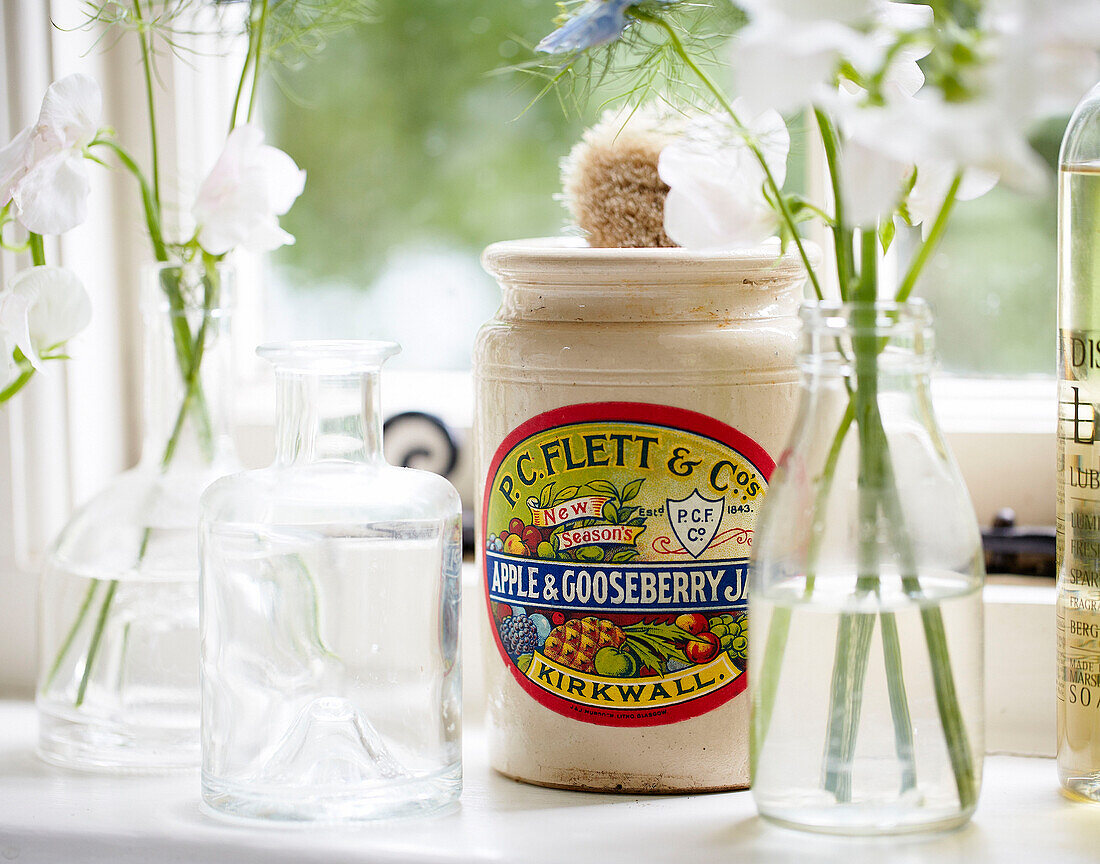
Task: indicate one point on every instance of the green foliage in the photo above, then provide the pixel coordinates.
(297, 31)
(642, 64)
(408, 140)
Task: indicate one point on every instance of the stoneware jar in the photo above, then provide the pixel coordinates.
(631, 404)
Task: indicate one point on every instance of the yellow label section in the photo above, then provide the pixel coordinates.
(632, 693)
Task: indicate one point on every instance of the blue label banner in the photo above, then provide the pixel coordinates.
(632, 587)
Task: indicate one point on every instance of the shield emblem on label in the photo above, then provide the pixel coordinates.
(695, 521)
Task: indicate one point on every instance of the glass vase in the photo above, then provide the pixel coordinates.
(330, 601)
(866, 642)
(118, 682)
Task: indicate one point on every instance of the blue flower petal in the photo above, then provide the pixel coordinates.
(598, 22)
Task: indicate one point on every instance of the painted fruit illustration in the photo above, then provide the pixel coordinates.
(519, 634)
(524, 540)
(693, 622)
(580, 644)
(703, 648)
(732, 636)
(576, 642)
(615, 663)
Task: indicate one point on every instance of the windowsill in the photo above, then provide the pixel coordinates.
(49, 815)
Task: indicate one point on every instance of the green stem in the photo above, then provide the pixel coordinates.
(723, 100)
(935, 634)
(97, 638)
(931, 242)
(899, 700)
(150, 99)
(843, 237)
(18, 384)
(37, 249)
(185, 353)
(780, 624)
(7, 219)
(85, 605)
(148, 199)
(240, 82)
(856, 628)
(192, 379)
(257, 59)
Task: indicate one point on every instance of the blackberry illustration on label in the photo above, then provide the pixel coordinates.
(617, 540)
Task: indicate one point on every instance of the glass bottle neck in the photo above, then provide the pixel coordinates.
(188, 367)
(327, 417)
(881, 346)
(188, 381)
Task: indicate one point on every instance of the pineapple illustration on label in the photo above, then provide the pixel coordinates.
(616, 546)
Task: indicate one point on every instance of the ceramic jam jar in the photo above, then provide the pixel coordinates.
(631, 404)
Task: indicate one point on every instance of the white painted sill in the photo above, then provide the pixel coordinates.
(48, 816)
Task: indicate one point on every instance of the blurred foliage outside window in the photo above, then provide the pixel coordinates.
(421, 150)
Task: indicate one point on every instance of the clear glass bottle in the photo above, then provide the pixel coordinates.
(118, 683)
(866, 639)
(330, 601)
(1078, 519)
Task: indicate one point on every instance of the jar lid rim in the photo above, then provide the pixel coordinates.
(512, 256)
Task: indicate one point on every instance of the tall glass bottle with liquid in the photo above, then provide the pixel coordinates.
(1078, 625)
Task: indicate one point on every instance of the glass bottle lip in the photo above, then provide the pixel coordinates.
(834, 317)
(328, 356)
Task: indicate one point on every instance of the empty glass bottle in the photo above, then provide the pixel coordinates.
(330, 599)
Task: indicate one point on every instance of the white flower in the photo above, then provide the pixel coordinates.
(870, 183)
(933, 182)
(249, 187)
(716, 197)
(42, 171)
(1041, 60)
(788, 56)
(9, 370)
(41, 309)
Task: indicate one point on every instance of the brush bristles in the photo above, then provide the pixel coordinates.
(612, 188)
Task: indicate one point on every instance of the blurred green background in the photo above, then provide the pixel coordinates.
(420, 150)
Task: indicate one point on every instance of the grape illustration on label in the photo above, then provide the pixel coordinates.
(617, 539)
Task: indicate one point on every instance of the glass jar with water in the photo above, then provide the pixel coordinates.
(866, 640)
(329, 611)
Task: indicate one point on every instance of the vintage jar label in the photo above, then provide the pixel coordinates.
(617, 539)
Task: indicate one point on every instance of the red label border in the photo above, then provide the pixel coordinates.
(680, 419)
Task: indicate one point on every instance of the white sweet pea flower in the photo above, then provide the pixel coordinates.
(41, 309)
(9, 370)
(249, 187)
(787, 65)
(870, 183)
(1042, 59)
(933, 182)
(42, 171)
(788, 56)
(894, 24)
(716, 197)
(883, 145)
